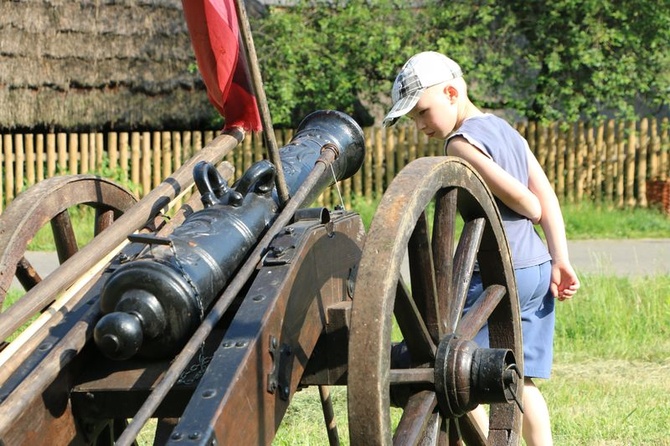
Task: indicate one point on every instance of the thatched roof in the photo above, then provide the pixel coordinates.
(70, 64)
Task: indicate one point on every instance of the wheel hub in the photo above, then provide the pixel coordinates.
(466, 376)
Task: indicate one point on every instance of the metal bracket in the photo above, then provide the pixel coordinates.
(280, 376)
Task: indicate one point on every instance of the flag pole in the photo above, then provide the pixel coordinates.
(257, 85)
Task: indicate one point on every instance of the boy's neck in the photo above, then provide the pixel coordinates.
(469, 110)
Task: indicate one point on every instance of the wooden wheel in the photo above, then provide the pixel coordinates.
(48, 202)
(437, 374)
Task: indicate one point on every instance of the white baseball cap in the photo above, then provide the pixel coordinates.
(421, 71)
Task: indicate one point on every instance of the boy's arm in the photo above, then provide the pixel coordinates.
(504, 186)
(564, 281)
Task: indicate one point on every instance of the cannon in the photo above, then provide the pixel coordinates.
(239, 301)
(153, 302)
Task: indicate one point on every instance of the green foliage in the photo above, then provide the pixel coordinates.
(333, 56)
(591, 57)
(560, 60)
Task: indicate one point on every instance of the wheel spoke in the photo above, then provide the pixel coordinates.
(26, 274)
(103, 218)
(470, 431)
(416, 418)
(64, 237)
(466, 256)
(422, 274)
(411, 323)
(444, 225)
(477, 316)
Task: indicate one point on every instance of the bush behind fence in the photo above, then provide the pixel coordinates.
(614, 162)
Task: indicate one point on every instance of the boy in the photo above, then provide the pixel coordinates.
(430, 89)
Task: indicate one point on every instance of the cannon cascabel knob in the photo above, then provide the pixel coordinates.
(119, 335)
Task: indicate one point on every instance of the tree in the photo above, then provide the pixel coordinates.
(564, 59)
(546, 60)
(332, 55)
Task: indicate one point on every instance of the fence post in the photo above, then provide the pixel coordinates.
(571, 149)
(61, 147)
(19, 160)
(30, 159)
(99, 150)
(560, 162)
(51, 155)
(166, 149)
(654, 150)
(642, 164)
(599, 162)
(621, 163)
(630, 165)
(113, 149)
(9, 172)
(84, 150)
(123, 153)
(146, 163)
(610, 160)
(379, 159)
(157, 157)
(591, 148)
(73, 151)
(389, 150)
(665, 149)
(580, 174)
(368, 163)
(39, 157)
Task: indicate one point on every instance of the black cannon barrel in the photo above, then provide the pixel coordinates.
(155, 301)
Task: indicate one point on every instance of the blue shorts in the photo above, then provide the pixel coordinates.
(536, 304)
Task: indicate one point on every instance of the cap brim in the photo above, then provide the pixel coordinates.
(402, 107)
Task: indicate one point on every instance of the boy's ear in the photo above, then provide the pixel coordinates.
(451, 92)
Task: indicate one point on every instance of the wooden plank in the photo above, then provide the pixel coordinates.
(30, 158)
(73, 157)
(631, 147)
(8, 151)
(84, 152)
(39, 157)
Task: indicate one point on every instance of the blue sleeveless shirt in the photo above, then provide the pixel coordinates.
(507, 148)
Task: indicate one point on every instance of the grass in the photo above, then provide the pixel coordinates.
(611, 378)
(585, 221)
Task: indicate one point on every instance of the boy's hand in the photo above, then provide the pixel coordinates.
(564, 281)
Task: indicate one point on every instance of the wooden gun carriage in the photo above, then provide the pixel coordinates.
(242, 309)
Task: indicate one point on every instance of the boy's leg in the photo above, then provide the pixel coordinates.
(536, 424)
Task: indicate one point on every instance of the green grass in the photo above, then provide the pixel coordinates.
(589, 221)
(585, 221)
(611, 378)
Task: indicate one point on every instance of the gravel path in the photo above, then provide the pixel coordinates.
(639, 257)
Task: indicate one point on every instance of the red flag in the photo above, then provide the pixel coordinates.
(215, 36)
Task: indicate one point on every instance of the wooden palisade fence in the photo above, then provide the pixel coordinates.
(614, 162)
